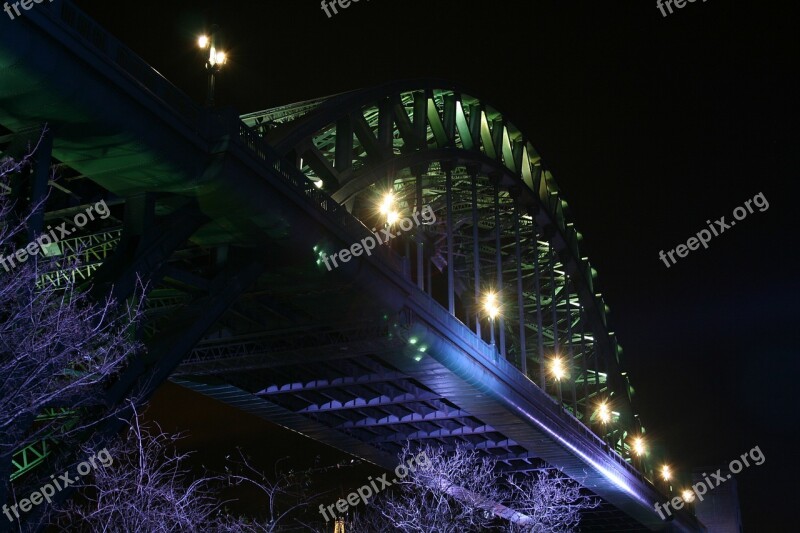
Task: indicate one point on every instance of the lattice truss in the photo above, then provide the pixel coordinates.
(500, 225)
(450, 151)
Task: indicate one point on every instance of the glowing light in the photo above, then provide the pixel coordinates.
(216, 57)
(412, 340)
(666, 473)
(557, 369)
(387, 203)
(638, 446)
(203, 41)
(387, 208)
(318, 184)
(687, 495)
(491, 306)
(604, 413)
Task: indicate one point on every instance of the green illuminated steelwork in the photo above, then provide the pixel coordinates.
(507, 228)
(31, 456)
(79, 257)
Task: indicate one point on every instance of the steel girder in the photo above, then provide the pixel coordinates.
(366, 398)
(433, 144)
(488, 164)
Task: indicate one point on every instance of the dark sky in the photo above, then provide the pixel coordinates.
(651, 125)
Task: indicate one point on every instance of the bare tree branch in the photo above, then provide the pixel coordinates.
(287, 492)
(148, 487)
(59, 350)
(461, 491)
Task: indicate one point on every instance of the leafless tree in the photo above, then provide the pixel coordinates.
(461, 491)
(550, 501)
(58, 349)
(150, 488)
(369, 520)
(286, 493)
(147, 487)
(454, 492)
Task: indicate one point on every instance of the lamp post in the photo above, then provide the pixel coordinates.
(559, 372)
(603, 413)
(604, 417)
(666, 475)
(639, 449)
(216, 59)
(388, 209)
(492, 309)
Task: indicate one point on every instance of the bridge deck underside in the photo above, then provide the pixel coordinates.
(361, 389)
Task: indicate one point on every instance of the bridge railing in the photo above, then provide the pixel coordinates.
(478, 346)
(94, 36)
(66, 15)
(354, 228)
(458, 332)
(103, 43)
(82, 32)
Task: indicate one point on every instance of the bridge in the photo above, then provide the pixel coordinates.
(230, 220)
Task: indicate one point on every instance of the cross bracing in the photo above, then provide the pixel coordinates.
(221, 218)
(488, 224)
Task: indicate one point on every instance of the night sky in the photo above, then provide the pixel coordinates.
(651, 125)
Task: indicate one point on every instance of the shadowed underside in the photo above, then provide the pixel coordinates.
(226, 220)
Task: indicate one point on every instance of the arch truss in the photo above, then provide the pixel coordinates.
(501, 226)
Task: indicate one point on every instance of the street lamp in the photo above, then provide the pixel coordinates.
(638, 446)
(603, 412)
(387, 208)
(216, 59)
(559, 372)
(557, 369)
(492, 309)
(639, 449)
(666, 473)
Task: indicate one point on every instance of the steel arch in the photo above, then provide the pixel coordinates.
(433, 143)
